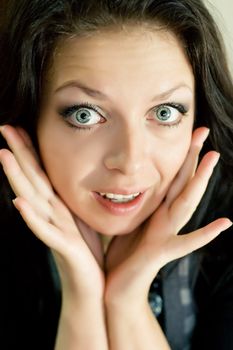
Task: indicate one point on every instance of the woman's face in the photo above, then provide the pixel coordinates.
(116, 117)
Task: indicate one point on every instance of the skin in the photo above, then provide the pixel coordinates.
(130, 149)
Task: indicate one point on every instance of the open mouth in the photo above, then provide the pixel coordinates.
(120, 204)
(119, 198)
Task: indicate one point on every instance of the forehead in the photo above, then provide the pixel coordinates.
(126, 58)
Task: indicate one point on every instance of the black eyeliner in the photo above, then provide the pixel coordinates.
(179, 106)
(68, 111)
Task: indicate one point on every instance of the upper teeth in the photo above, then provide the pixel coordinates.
(120, 196)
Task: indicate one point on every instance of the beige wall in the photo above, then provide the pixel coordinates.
(223, 13)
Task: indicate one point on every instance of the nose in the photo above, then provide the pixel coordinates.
(128, 151)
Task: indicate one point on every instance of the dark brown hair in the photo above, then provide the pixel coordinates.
(29, 33)
(31, 30)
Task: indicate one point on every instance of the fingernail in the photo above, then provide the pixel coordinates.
(200, 139)
(1, 129)
(207, 131)
(206, 134)
(217, 158)
(228, 224)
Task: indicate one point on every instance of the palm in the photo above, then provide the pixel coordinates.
(140, 244)
(75, 246)
(133, 260)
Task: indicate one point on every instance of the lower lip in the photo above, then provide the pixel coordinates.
(120, 208)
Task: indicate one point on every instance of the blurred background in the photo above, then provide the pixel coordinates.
(222, 10)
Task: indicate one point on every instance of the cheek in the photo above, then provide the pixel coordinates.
(68, 160)
(173, 158)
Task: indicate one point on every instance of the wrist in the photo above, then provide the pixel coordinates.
(83, 282)
(126, 303)
(82, 325)
(127, 292)
(78, 293)
(82, 306)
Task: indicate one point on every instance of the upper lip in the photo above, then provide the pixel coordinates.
(124, 191)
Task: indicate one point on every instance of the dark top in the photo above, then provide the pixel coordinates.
(30, 297)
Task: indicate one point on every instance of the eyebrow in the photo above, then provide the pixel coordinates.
(98, 94)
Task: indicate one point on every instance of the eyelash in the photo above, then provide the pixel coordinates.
(182, 109)
(68, 111)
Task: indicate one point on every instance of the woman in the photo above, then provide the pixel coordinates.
(105, 106)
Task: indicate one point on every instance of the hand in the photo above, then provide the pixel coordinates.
(75, 246)
(133, 260)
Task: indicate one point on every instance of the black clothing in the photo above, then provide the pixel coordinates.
(30, 297)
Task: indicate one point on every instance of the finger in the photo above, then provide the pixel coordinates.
(189, 167)
(25, 156)
(48, 232)
(52, 208)
(20, 184)
(185, 244)
(27, 141)
(18, 181)
(184, 206)
(41, 227)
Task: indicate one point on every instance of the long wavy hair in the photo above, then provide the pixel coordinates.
(29, 33)
(30, 30)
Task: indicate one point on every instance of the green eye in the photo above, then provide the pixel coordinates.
(169, 114)
(163, 113)
(83, 116)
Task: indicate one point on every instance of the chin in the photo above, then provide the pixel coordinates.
(115, 230)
